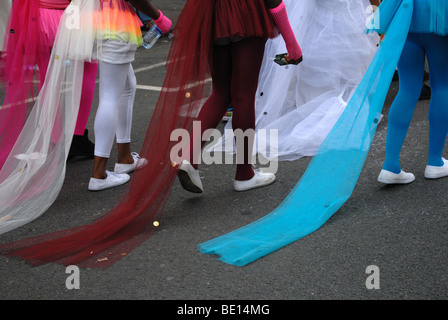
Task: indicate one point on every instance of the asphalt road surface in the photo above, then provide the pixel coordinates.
(399, 231)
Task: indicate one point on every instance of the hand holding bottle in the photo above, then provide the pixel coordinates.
(163, 23)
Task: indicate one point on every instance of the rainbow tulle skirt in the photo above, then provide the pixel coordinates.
(118, 21)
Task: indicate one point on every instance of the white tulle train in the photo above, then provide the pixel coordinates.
(300, 104)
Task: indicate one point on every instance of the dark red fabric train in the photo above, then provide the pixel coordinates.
(115, 234)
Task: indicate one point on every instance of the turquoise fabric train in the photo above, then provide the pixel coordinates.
(334, 171)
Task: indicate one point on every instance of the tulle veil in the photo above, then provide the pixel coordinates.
(34, 170)
(37, 164)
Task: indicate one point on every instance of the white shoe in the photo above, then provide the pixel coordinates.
(189, 177)
(433, 172)
(113, 179)
(126, 168)
(260, 179)
(388, 177)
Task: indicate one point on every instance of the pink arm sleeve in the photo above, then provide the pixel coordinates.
(280, 17)
(163, 23)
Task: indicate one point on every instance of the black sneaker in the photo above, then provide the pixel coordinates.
(82, 146)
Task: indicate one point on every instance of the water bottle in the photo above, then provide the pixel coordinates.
(151, 36)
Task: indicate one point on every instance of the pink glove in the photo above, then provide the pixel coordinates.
(163, 23)
(280, 17)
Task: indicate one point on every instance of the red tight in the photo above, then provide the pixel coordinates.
(235, 80)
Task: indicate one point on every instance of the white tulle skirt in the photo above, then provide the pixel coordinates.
(296, 106)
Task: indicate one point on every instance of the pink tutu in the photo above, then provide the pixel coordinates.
(32, 29)
(49, 22)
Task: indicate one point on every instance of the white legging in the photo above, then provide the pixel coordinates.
(117, 85)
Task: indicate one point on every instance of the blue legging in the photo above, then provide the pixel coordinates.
(410, 72)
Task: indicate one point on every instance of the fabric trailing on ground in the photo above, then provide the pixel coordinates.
(333, 172)
(114, 235)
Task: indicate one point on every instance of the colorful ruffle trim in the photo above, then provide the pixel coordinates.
(119, 22)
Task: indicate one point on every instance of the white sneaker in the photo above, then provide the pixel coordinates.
(126, 168)
(189, 177)
(260, 179)
(389, 177)
(113, 179)
(433, 172)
